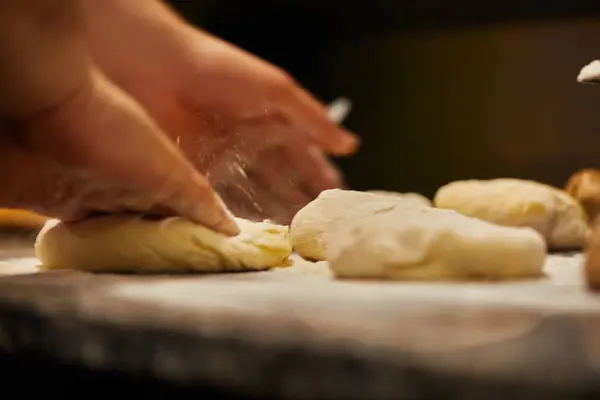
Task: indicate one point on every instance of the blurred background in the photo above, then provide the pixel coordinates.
(441, 90)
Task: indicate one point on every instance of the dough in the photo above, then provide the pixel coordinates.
(430, 244)
(312, 224)
(592, 259)
(133, 244)
(590, 73)
(585, 187)
(512, 202)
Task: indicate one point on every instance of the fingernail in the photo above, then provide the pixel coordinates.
(216, 219)
(227, 224)
(228, 227)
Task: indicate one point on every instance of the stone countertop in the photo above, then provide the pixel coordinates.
(295, 333)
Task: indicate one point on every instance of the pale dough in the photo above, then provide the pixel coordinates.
(311, 226)
(590, 73)
(560, 218)
(133, 244)
(430, 244)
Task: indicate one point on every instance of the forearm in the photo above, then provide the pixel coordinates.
(43, 53)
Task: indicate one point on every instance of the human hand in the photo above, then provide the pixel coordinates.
(257, 135)
(71, 142)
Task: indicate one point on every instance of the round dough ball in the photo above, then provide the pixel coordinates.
(513, 202)
(585, 187)
(429, 244)
(134, 244)
(331, 209)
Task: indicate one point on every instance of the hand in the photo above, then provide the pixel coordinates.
(258, 136)
(71, 142)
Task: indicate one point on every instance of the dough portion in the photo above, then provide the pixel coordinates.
(591, 267)
(428, 244)
(333, 208)
(560, 218)
(590, 73)
(584, 186)
(133, 244)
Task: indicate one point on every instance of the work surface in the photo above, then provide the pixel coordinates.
(295, 333)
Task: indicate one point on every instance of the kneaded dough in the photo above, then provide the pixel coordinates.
(334, 207)
(560, 218)
(134, 244)
(430, 244)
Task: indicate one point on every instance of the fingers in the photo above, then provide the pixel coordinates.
(276, 178)
(313, 118)
(317, 171)
(281, 181)
(105, 133)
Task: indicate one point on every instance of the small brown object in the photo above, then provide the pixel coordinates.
(592, 259)
(11, 218)
(585, 187)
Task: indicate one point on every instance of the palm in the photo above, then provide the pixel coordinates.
(244, 125)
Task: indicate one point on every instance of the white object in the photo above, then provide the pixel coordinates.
(311, 226)
(339, 109)
(428, 244)
(590, 73)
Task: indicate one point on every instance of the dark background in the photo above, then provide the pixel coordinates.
(441, 90)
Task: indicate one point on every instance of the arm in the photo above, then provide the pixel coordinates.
(65, 110)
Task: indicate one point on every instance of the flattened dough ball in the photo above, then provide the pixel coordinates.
(133, 244)
(429, 244)
(331, 209)
(560, 218)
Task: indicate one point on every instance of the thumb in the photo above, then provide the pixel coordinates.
(104, 132)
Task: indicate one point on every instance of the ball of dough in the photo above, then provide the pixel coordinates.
(590, 73)
(592, 259)
(585, 187)
(312, 224)
(430, 244)
(513, 202)
(134, 244)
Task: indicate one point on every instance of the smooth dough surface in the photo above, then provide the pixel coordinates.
(560, 218)
(430, 244)
(133, 244)
(311, 226)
